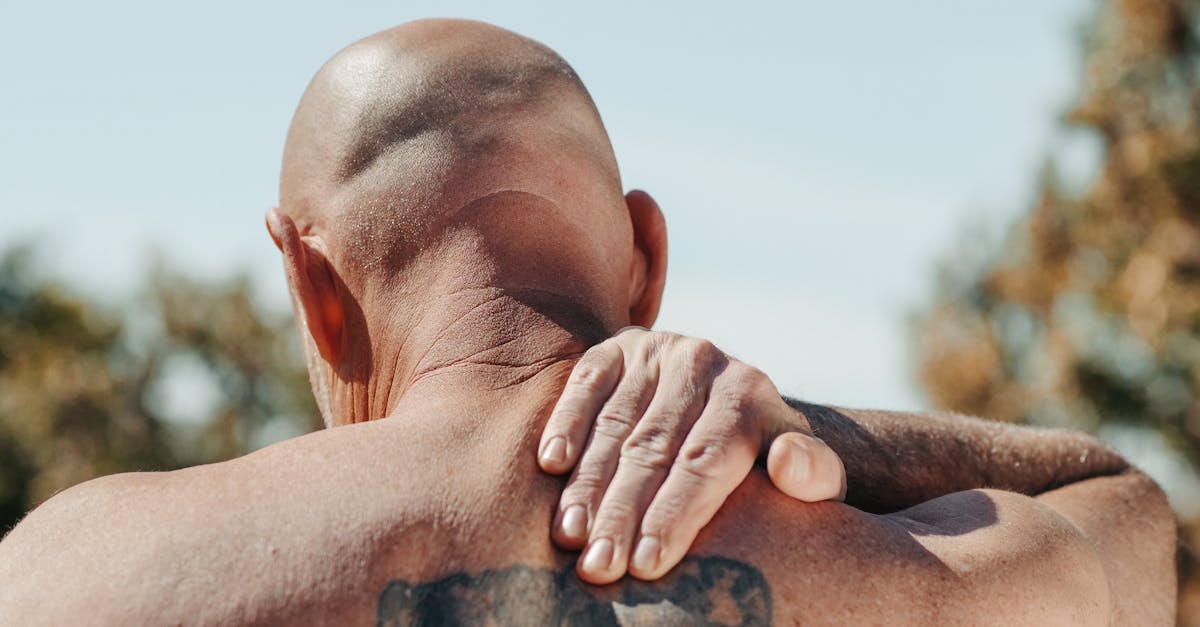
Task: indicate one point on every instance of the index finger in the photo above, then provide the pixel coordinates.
(591, 383)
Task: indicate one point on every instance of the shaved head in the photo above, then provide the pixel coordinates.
(448, 196)
(403, 130)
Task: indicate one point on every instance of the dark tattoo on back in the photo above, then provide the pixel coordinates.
(700, 591)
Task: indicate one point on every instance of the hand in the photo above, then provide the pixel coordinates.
(676, 425)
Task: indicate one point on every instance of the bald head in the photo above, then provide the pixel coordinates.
(433, 76)
(402, 130)
(438, 167)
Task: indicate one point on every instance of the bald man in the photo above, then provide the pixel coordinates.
(455, 238)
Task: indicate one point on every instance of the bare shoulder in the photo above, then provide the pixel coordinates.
(973, 557)
(978, 555)
(312, 527)
(50, 549)
(57, 519)
(337, 527)
(1130, 527)
(765, 560)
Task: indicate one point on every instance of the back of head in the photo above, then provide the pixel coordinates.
(441, 141)
(449, 157)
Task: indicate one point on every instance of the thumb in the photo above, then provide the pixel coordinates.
(805, 468)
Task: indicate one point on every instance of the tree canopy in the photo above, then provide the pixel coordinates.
(1088, 313)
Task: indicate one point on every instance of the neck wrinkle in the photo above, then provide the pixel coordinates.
(481, 343)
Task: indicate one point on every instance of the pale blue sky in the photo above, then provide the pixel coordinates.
(813, 158)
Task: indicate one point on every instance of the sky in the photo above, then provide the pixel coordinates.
(813, 159)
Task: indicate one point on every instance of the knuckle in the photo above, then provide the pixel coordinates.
(608, 351)
(584, 489)
(738, 401)
(632, 330)
(617, 510)
(564, 421)
(746, 386)
(701, 347)
(664, 515)
(664, 521)
(622, 411)
(677, 517)
(702, 355)
(650, 447)
(750, 377)
(658, 341)
(587, 376)
(615, 518)
(702, 459)
(761, 382)
(614, 424)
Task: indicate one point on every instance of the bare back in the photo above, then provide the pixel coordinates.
(411, 520)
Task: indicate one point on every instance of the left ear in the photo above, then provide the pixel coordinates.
(648, 272)
(310, 277)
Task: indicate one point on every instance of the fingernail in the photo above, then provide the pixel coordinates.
(645, 558)
(555, 451)
(599, 556)
(574, 522)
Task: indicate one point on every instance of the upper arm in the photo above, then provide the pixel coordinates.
(62, 562)
(262, 538)
(965, 558)
(1101, 550)
(134, 548)
(1127, 522)
(1011, 557)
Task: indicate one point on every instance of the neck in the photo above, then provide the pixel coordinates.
(483, 348)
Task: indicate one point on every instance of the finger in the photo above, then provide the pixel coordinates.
(716, 457)
(646, 458)
(805, 468)
(614, 422)
(589, 386)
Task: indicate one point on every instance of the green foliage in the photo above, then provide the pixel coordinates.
(79, 382)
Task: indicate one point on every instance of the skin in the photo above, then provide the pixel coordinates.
(455, 239)
(660, 429)
(727, 413)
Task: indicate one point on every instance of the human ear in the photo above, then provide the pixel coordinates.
(310, 278)
(648, 272)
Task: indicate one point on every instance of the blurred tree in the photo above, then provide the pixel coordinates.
(1088, 314)
(252, 356)
(86, 392)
